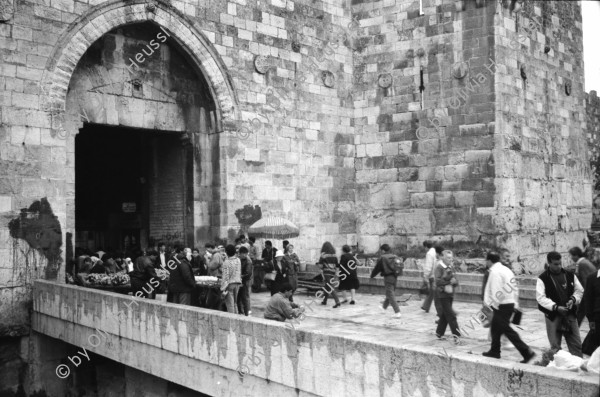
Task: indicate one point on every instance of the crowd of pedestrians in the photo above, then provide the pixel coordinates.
(335, 273)
(564, 294)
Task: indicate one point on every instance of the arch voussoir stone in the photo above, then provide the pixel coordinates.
(99, 21)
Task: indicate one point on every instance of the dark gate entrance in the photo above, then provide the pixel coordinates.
(133, 188)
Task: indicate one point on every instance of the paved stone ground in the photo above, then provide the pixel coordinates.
(367, 321)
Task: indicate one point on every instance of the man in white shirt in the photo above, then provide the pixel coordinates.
(428, 269)
(162, 255)
(558, 293)
(501, 294)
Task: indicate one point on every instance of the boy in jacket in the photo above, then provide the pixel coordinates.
(445, 281)
(558, 293)
(390, 267)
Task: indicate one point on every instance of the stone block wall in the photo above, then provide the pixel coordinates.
(280, 139)
(592, 109)
(465, 130)
(275, 359)
(543, 179)
(362, 123)
(424, 125)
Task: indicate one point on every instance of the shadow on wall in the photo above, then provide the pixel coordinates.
(40, 228)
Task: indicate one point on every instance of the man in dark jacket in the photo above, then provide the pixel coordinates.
(390, 267)
(244, 292)
(198, 263)
(141, 276)
(181, 281)
(591, 296)
(558, 293)
(582, 268)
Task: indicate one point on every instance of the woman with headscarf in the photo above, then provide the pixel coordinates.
(281, 273)
(293, 266)
(328, 263)
(348, 276)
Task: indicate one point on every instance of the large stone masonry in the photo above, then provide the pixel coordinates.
(279, 140)
(593, 136)
(363, 123)
(470, 124)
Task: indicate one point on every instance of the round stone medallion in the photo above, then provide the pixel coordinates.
(460, 70)
(262, 64)
(385, 80)
(328, 79)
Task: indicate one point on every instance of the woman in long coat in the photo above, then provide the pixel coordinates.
(348, 275)
(293, 266)
(328, 263)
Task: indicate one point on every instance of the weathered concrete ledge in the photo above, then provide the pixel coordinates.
(202, 350)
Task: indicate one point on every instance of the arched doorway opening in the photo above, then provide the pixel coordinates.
(144, 158)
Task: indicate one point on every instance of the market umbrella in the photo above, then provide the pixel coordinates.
(273, 227)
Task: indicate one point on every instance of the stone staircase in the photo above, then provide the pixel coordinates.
(469, 288)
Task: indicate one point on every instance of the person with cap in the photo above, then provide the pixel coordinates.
(281, 273)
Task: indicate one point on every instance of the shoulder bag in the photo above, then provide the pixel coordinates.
(271, 276)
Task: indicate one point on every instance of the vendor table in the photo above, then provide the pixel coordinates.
(201, 292)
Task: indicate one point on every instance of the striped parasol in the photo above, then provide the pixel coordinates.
(273, 227)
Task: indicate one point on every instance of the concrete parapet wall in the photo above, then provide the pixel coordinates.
(202, 350)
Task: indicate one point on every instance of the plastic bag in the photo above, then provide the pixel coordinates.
(424, 289)
(565, 360)
(593, 364)
(487, 314)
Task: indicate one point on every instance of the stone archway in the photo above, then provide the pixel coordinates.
(90, 27)
(65, 59)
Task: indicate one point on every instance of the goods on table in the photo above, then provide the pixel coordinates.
(107, 279)
(207, 281)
